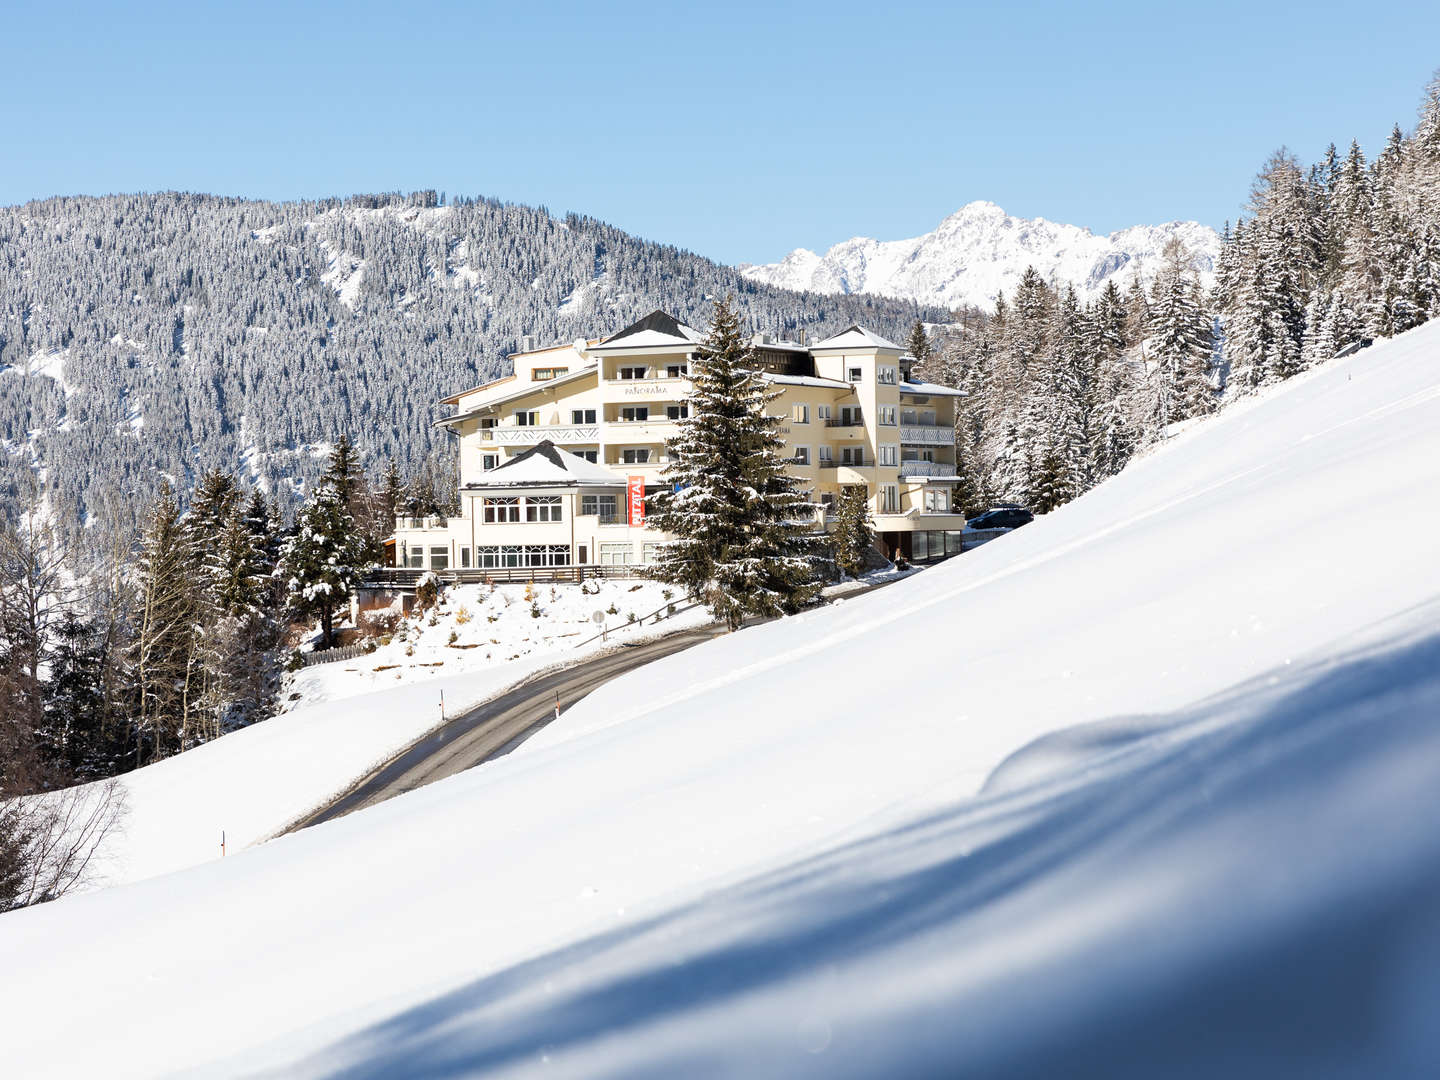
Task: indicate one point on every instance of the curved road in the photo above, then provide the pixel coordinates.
(495, 727)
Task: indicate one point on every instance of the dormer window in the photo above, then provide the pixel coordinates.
(544, 374)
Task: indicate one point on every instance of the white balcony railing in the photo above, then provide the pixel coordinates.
(522, 435)
(927, 468)
(413, 524)
(927, 435)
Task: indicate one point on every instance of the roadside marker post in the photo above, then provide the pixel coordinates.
(442, 706)
(222, 843)
(557, 703)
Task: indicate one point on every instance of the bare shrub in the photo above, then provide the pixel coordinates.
(49, 843)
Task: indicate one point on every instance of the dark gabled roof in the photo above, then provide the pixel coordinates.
(657, 322)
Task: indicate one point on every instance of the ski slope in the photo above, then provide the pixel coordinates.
(1147, 788)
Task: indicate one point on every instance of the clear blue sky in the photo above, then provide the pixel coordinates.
(736, 130)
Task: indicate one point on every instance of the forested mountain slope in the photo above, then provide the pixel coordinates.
(162, 334)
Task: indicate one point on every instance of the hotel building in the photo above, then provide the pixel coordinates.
(549, 453)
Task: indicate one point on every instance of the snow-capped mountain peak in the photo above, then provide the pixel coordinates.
(980, 250)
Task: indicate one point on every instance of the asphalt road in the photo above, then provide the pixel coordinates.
(495, 727)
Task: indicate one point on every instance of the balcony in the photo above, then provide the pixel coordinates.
(523, 435)
(833, 463)
(927, 435)
(413, 524)
(846, 421)
(940, 469)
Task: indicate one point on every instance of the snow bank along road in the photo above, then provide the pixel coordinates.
(831, 846)
(496, 727)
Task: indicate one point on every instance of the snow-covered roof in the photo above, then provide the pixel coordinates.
(856, 337)
(656, 329)
(932, 389)
(806, 380)
(547, 464)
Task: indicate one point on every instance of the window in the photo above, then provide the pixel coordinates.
(527, 418)
(592, 456)
(650, 553)
(546, 555)
(601, 506)
(616, 554)
(543, 374)
(827, 503)
(802, 455)
(856, 374)
(886, 374)
(800, 414)
(825, 454)
(631, 413)
(937, 500)
(889, 499)
(582, 416)
(465, 558)
(822, 412)
(638, 372)
(887, 415)
(501, 510)
(677, 412)
(852, 455)
(889, 454)
(677, 371)
(489, 461)
(635, 457)
(440, 558)
(487, 423)
(415, 558)
(542, 508)
(851, 416)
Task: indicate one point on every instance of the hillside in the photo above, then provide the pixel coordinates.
(163, 334)
(980, 250)
(1103, 797)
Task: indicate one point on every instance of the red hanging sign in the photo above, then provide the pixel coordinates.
(635, 497)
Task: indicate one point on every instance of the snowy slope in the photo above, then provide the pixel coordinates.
(777, 854)
(980, 250)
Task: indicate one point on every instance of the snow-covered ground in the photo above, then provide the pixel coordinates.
(480, 627)
(345, 718)
(872, 840)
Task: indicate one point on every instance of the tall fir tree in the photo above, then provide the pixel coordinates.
(321, 563)
(744, 539)
(853, 533)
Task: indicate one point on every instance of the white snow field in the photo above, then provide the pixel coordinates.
(778, 854)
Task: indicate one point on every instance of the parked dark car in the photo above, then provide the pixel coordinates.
(1002, 517)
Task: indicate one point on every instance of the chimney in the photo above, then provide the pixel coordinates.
(527, 343)
(800, 335)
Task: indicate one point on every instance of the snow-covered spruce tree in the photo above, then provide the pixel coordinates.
(918, 345)
(1114, 432)
(321, 563)
(854, 529)
(162, 652)
(1181, 342)
(743, 530)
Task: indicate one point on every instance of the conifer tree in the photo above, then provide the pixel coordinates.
(744, 531)
(163, 650)
(854, 530)
(1181, 341)
(321, 562)
(918, 345)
